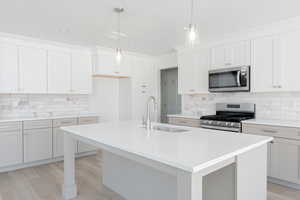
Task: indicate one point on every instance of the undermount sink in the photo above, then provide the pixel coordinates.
(169, 129)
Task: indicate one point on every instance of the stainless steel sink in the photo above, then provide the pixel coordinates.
(169, 129)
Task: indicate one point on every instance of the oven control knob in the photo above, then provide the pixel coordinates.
(227, 124)
(232, 124)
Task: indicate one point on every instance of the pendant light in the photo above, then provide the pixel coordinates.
(192, 34)
(119, 54)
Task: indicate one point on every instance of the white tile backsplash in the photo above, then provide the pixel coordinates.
(12, 105)
(283, 106)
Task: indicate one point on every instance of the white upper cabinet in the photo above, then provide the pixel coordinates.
(230, 55)
(59, 72)
(106, 64)
(8, 68)
(202, 69)
(32, 70)
(291, 61)
(266, 64)
(81, 75)
(186, 72)
(193, 66)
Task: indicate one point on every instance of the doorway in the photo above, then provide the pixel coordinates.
(170, 99)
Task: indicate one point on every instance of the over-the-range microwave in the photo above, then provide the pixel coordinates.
(236, 79)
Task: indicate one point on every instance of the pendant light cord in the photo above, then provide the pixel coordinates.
(119, 29)
(192, 11)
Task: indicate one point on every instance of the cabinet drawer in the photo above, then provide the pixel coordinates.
(37, 124)
(64, 122)
(88, 120)
(184, 122)
(273, 131)
(10, 126)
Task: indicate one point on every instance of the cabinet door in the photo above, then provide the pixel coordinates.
(106, 63)
(8, 68)
(289, 161)
(37, 144)
(124, 69)
(202, 68)
(33, 70)
(265, 64)
(187, 72)
(218, 57)
(285, 160)
(11, 148)
(241, 54)
(291, 69)
(83, 147)
(81, 72)
(274, 160)
(59, 72)
(58, 142)
(144, 84)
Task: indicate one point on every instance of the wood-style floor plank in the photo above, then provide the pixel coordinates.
(44, 183)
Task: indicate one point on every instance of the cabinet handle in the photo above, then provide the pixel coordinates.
(227, 64)
(269, 131)
(272, 142)
(192, 90)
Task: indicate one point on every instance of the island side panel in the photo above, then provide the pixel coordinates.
(135, 181)
(251, 174)
(69, 187)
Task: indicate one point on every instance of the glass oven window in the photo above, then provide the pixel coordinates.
(223, 80)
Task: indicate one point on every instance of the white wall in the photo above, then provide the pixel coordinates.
(167, 61)
(105, 98)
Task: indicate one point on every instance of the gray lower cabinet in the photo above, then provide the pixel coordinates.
(283, 152)
(82, 147)
(58, 135)
(11, 151)
(37, 144)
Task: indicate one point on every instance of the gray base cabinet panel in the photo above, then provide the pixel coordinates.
(37, 144)
(11, 148)
(82, 147)
(283, 152)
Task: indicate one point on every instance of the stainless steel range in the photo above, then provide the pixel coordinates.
(229, 116)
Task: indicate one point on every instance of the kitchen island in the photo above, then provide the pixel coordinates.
(172, 163)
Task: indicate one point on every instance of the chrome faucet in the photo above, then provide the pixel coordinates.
(148, 123)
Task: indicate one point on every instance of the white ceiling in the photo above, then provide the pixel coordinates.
(153, 26)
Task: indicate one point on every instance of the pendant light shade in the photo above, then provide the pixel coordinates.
(192, 34)
(119, 55)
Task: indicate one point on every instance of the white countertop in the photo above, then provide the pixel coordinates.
(191, 151)
(274, 122)
(24, 118)
(184, 116)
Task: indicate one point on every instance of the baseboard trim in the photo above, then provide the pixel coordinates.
(42, 162)
(284, 183)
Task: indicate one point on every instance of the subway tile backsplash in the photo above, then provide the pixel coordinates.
(283, 106)
(12, 105)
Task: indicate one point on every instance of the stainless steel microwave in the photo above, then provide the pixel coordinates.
(236, 79)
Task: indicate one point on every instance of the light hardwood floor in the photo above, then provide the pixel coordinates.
(44, 183)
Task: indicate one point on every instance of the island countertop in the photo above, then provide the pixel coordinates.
(190, 151)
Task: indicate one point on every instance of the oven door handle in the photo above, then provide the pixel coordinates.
(238, 78)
